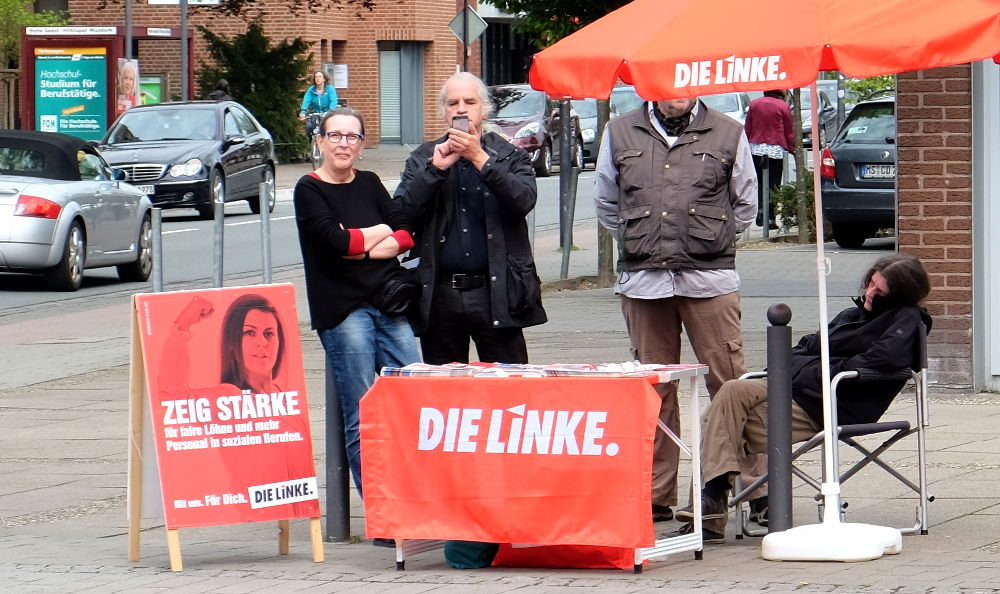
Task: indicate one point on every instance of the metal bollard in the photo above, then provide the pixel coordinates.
(218, 233)
(779, 418)
(265, 231)
(565, 173)
(338, 500)
(157, 250)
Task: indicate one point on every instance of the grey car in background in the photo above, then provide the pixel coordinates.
(586, 111)
(623, 99)
(63, 209)
(734, 105)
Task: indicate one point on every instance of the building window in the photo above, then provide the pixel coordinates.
(53, 5)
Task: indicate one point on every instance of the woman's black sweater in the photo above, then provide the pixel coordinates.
(325, 213)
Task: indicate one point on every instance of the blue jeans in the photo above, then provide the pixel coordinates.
(357, 349)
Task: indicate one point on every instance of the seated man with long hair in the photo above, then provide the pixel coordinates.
(879, 333)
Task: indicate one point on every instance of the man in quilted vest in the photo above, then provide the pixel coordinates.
(676, 185)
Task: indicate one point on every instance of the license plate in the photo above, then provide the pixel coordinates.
(148, 190)
(878, 171)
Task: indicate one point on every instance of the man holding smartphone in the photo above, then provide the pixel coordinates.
(467, 194)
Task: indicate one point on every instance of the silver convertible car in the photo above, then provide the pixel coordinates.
(64, 209)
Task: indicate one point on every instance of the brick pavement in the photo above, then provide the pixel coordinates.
(63, 464)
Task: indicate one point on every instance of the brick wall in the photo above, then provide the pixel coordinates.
(338, 36)
(935, 207)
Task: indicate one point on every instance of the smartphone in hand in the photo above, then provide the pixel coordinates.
(460, 122)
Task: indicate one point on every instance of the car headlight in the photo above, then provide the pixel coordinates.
(186, 169)
(529, 130)
(589, 134)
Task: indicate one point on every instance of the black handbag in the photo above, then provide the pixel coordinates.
(398, 294)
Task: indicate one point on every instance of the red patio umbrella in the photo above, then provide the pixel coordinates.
(686, 48)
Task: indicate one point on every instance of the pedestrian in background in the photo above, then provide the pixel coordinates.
(467, 194)
(351, 233)
(770, 132)
(221, 92)
(675, 185)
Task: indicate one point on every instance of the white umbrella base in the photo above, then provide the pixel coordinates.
(832, 541)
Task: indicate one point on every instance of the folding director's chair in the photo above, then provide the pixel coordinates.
(895, 431)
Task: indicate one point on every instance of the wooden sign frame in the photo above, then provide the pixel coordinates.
(137, 454)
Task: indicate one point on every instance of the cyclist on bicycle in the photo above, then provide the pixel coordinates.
(320, 97)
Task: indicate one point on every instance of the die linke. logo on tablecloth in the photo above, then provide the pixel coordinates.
(515, 430)
(729, 70)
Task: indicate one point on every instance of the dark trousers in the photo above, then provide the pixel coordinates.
(460, 316)
(775, 167)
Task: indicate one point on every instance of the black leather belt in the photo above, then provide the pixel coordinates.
(464, 282)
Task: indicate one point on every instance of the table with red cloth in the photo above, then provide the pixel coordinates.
(553, 460)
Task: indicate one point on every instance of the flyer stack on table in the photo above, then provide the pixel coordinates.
(535, 454)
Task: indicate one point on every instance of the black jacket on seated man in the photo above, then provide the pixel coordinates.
(884, 339)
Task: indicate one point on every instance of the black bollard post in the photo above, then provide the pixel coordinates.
(338, 500)
(779, 418)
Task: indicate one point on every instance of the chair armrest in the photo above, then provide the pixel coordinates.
(872, 375)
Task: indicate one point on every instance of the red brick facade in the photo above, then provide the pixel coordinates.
(935, 206)
(338, 36)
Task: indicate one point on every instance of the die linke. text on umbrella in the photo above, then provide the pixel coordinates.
(728, 70)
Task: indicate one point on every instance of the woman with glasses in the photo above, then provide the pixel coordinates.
(350, 232)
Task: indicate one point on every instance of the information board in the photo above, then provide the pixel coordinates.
(70, 91)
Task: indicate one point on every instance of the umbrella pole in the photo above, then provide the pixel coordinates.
(831, 474)
(832, 540)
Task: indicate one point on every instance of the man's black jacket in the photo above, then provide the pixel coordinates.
(859, 339)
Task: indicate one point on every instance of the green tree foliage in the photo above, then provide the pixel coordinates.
(268, 80)
(786, 203)
(551, 20)
(866, 88)
(15, 14)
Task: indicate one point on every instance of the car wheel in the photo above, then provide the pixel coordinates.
(316, 155)
(138, 270)
(269, 195)
(68, 273)
(216, 194)
(849, 236)
(544, 166)
(578, 161)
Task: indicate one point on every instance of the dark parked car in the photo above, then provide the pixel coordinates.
(858, 172)
(531, 121)
(193, 154)
(63, 209)
(827, 114)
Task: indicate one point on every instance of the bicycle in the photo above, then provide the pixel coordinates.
(312, 129)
